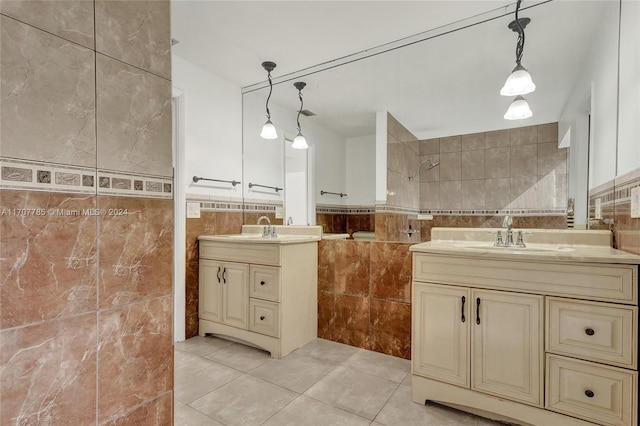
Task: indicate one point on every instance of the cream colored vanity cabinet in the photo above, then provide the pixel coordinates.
(524, 338)
(260, 293)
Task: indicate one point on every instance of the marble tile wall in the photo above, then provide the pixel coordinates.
(340, 223)
(364, 295)
(86, 234)
(402, 163)
(520, 168)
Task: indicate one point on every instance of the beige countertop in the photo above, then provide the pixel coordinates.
(257, 239)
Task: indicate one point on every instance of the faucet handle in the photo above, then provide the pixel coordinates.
(499, 242)
(519, 240)
(274, 233)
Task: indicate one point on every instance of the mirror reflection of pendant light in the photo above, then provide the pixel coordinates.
(519, 82)
(269, 130)
(299, 142)
(518, 110)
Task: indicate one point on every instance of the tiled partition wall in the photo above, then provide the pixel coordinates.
(217, 217)
(364, 295)
(86, 213)
(345, 219)
(615, 198)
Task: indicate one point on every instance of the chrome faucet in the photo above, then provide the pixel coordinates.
(261, 218)
(507, 222)
(268, 231)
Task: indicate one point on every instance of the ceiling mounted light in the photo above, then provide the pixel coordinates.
(519, 82)
(518, 110)
(299, 142)
(269, 130)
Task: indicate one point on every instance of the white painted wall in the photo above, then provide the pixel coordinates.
(629, 112)
(213, 129)
(381, 157)
(361, 170)
(597, 82)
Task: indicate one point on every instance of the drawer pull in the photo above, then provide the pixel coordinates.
(589, 393)
(218, 275)
(477, 310)
(224, 275)
(463, 300)
(590, 332)
(262, 319)
(262, 283)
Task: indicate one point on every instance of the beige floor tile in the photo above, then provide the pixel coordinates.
(304, 411)
(351, 390)
(294, 372)
(195, 376)
(402, 411)
(379, 365)
(187, 416)
(407, 380)
(245, 401)
(327, 351)
(240, 357)
(203, 345)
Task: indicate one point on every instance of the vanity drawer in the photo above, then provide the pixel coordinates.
(265, 283)
(606, 282)
(599, 332)
(264, 317)
(591, 391)
(264, 254)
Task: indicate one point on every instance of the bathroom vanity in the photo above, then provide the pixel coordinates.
(543, 335)
(260, 291)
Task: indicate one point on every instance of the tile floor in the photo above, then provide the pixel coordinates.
(218, 382)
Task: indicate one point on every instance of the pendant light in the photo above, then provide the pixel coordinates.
(519, 82)
(518, 110)
(299, 142)
(269, 130)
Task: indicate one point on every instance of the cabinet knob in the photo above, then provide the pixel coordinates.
(262, 283)
(262, 318)
(589, 393)
(590, 332)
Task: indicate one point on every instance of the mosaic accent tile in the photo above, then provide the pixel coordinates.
(105, 182)
(119, 183)
(87, 180)
(154, 186)
(67, 179)
(167, 187)
(17, 174)
(44, 176)
(138, 185)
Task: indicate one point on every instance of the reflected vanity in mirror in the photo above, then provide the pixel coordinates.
(433, 99)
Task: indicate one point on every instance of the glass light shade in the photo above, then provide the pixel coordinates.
(518, 110)
(518, 83)
(268, 131)
(299, 142)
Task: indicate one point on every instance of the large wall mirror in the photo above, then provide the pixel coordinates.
(417, 126)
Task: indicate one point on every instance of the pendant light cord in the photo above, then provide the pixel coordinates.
(520, 43)
(269, 97)
(301, 105)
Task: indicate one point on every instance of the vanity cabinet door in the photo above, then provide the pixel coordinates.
(235, 295)
(441, 318)
(210, 291)
(507, 345)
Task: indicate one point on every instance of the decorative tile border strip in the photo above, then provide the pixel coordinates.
(383, 208)
(119, 183)
(511, 212)
(624, 184)
(349, 210)
(51, 177)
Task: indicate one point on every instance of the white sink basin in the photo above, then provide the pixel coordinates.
(538, 248)
(259, 237)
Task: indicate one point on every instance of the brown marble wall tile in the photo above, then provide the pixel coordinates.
(133, 118)
(627, 229)
(157, 412)
(204, 225)
(70, 19)
(391, 271)
(231, 222)
(192, 291)
(48, 96)
(134, 249)
(48, 261)
(49, 373)
(135, 355)
(381, 226)
(351, 321)
(360, 222)
(391, 328)
(136, 32)
(326, 265)
(352, 267)
(326, 314)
